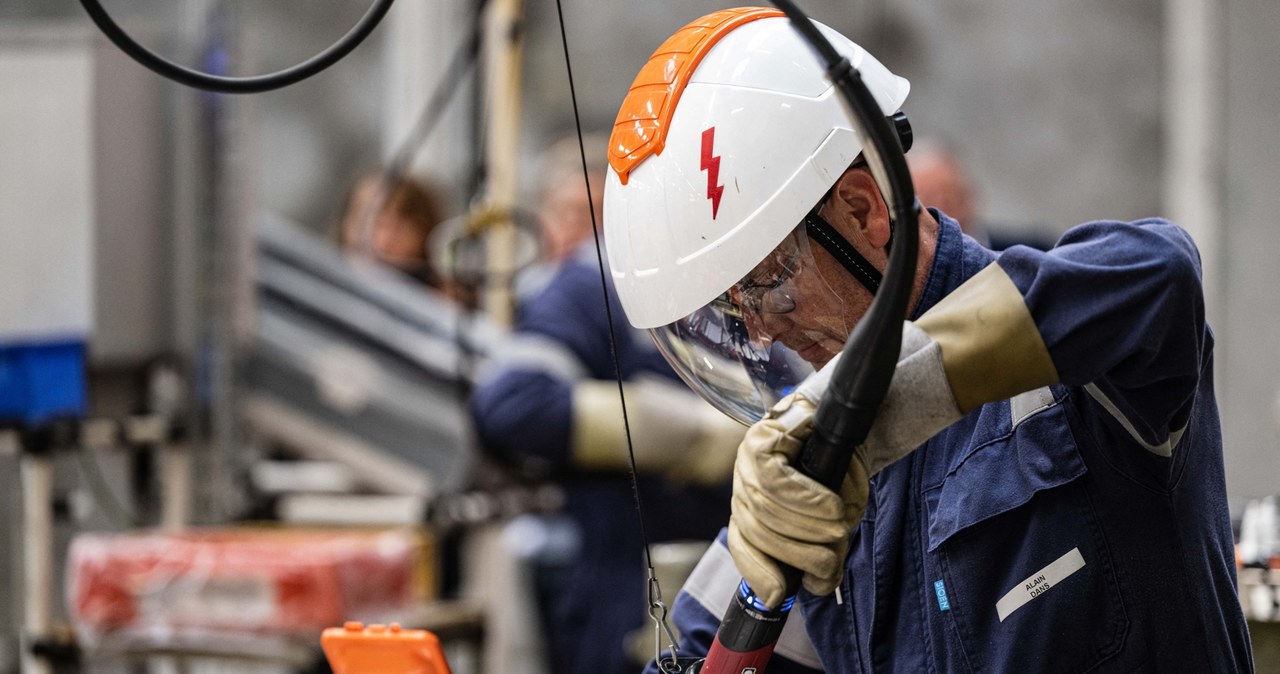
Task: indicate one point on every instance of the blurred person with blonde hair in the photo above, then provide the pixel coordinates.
(564, 209)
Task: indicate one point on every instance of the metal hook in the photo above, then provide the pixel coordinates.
(658, 613)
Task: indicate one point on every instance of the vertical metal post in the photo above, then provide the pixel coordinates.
(37, 556)
(1194, 132)
(175, 507)
(228, 284)
(504, 51)
(191, 219)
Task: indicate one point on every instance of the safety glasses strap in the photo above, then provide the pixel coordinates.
(821, 231)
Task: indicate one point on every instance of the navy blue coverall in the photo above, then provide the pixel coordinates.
(1081, 527)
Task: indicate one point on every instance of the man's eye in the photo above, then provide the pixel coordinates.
(773, 282)
(763, 284)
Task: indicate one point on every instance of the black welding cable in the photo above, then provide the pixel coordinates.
(237, 85)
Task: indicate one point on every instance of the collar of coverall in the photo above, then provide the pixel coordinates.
(956, 258)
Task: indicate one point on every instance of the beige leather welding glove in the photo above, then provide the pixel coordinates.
(979, 344)
(673, 431)
(780, 514)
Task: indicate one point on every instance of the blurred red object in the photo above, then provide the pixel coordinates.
(255, 580)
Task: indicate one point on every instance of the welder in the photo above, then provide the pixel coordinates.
(1043, 487)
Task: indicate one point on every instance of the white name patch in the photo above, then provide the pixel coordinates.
(1039, 582)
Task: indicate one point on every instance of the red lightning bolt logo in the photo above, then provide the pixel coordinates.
(711, 164)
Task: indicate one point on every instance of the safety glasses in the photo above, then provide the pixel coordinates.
(770, 286)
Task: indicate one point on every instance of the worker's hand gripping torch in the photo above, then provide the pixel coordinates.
(749, 630)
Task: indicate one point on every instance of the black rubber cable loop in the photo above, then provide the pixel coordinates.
(237, 85)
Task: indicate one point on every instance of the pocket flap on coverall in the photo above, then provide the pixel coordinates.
(1035, 453)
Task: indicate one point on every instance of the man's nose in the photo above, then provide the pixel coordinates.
(763, 327)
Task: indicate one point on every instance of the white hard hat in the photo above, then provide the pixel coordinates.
(729, 136)
(712, 168)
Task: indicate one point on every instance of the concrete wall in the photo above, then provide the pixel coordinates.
(1249, 332)
(1056, 106)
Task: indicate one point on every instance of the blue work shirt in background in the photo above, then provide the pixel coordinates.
(524, 414)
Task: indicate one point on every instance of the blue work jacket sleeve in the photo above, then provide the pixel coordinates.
(524, 416)
(523, 408)
(571, 312)
(1121, 310)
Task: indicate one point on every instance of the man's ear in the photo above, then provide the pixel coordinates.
(857, 198)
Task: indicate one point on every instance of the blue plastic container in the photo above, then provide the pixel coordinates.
(42, 381)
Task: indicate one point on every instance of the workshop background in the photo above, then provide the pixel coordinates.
(181, 211)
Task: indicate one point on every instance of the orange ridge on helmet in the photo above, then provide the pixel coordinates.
(641, 126)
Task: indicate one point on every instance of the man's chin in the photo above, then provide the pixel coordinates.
(816, 355)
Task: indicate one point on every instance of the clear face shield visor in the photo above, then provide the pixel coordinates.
(750, 346)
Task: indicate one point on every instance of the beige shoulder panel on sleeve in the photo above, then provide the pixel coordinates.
(991, 348)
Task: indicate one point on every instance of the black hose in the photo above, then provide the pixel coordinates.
(861, 378)
(237, 85)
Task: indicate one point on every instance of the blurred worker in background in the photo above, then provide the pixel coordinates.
(392, 218)
(564, 207)
(1047, 463)
(942, 182)
(551, 407)
(564, 210)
